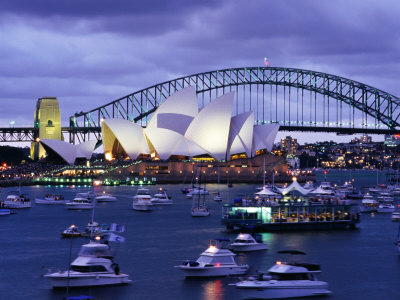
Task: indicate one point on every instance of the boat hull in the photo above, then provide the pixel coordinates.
(281, 290)
(79, 206)
(162, 202)
(61, 280)
(200, 213)
(13, 204)
(213, 271)
(106, 199)
(142, 207)
(246, 247)
(52, 202)
(4, 211)
(386, 210)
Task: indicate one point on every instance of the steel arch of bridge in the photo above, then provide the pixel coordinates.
(296, 99)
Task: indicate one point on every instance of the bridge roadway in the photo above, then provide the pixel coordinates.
(79, 134)
(28, 134)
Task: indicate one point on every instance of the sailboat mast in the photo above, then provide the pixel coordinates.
(264, 174)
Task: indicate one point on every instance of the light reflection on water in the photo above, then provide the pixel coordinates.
(213, 290)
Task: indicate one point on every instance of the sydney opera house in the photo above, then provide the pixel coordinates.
(179, 129)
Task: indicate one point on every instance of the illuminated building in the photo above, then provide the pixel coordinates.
(179, 128)
(289, 145)
(48, 120)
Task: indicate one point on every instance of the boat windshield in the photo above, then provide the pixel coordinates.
(98, 251)
(290, 276)
(215, 259)
(88, 269)
(243, 241)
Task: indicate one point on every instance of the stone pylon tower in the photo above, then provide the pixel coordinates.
(48, 120)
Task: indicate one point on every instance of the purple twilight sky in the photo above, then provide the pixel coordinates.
(88, 53)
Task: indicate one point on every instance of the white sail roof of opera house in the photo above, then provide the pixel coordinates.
(264, 136)
(210, 128)
(123, 137)
(85, 149)
(69, 152)
(241, 134)
(182, 106)
(177, 127)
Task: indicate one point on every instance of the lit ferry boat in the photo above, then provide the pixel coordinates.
(286, 216)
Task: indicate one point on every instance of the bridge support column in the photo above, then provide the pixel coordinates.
(48, 122)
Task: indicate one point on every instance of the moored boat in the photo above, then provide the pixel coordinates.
(396, 216)
(246, 242)
(94, 266)
(386, 208)
(142, 200)
(71, 231)
(51, 199)
(17, 200)
(104, 197)
(82, 201)
(285, 280)
(213, 262)
(161, 198)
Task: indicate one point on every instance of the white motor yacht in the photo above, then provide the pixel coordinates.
(246, 242)
(51, 199)
(285, 280)
(17, 200)
(142, 200)
(93, 267)
(213, 262)
(368, 204)
(396, 216)
(104, 197)
(82, 201)
(386, 208)
(161, 198)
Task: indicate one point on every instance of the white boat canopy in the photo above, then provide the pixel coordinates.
(294, 186)
(321, 191)
(266, 192)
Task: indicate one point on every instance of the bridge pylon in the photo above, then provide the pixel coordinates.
(47, 120)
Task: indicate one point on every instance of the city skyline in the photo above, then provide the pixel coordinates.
(89, 55)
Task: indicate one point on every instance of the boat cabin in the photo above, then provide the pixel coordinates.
(95, 250)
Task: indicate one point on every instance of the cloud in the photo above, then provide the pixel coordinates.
(88, 54)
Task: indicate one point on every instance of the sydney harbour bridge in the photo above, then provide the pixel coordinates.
(296, 99)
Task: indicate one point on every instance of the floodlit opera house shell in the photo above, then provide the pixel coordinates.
(178, 128)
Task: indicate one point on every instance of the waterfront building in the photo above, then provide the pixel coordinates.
(179, 129)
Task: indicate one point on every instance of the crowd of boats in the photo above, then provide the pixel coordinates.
(95, 266)
(292, 205)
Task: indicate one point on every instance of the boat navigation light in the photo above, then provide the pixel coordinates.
(212, 248)
(72, 226)
(278, 262)
(97, 238)
(217, 265)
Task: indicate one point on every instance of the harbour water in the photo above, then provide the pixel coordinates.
(358, 264)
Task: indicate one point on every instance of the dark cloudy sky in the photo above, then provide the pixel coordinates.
(88, 53)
